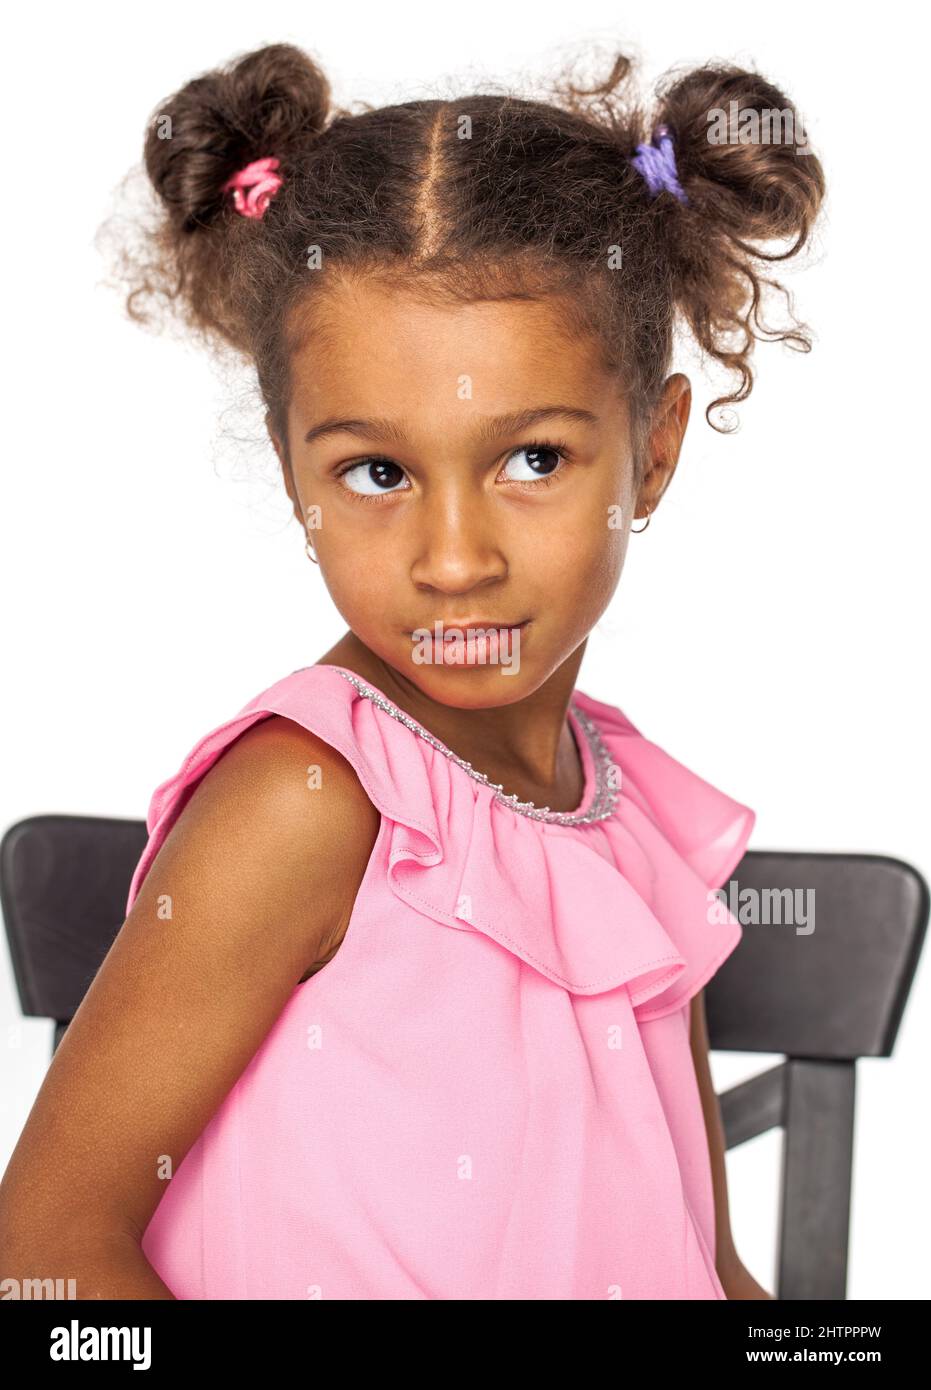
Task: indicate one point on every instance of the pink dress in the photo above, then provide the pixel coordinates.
(488, 1093)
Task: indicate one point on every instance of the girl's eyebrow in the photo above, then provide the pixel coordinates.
(489, 428)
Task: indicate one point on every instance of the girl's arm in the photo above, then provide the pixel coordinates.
(736, 1280)
(253, 884)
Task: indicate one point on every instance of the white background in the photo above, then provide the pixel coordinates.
(770, 628)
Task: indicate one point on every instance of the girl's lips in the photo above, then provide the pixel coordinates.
(474, 643)
(452, 629)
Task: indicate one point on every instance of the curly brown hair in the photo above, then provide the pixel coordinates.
(478, 197)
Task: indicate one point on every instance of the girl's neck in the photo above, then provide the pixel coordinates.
(527, 745)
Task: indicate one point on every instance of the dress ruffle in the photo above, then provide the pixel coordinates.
(638, 912)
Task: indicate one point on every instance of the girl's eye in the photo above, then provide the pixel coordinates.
(542, 462)
(373, 477)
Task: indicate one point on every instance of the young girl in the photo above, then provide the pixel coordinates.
(408, 1000)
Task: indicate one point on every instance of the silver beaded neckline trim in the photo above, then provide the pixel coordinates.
(607, 785)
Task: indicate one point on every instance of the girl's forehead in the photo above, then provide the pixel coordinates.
(368, 338)
(366, 302)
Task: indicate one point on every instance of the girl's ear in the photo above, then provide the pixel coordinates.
(276, 442)
(665, 443)
(281, 450)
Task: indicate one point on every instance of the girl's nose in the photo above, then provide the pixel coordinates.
(455, 545)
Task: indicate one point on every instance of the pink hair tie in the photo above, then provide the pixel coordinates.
(261, 181)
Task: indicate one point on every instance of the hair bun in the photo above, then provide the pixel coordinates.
(743, 153)
(753, 188)
(263, 105)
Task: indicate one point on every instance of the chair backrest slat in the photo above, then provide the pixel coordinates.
(64, 881)
(832, 981)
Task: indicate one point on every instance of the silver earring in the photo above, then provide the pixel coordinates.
(642, 528)
(309, 549)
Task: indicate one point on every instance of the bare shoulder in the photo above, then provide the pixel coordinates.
(308, 820)
(279, 766)
(310, 824)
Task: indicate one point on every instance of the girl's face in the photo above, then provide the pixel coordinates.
(465, 465)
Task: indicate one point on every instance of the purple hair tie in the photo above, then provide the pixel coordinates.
(657, 163)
